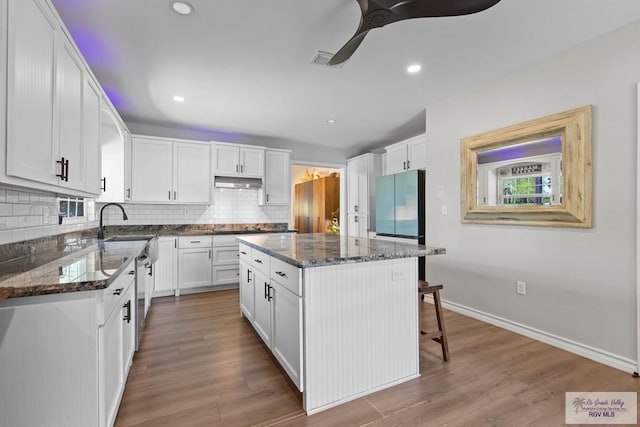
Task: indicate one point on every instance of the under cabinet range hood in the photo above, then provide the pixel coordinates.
(237, 182)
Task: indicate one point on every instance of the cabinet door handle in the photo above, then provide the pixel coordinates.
(269, 297)
(267, 197)
(241, 168)
(128, 193)
(265, 290)
(118, 291)
(103, 187)
(150, 270)
(64, 169)
(127, 316)
(169, 194)
(237, 169)
(175, 195)
(259, 261)
(404, 166)
(281, 274)
(355, 219)
(355, 208)
(209, 253)
(408, 164)
(248, 275)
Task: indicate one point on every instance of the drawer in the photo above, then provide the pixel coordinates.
(245, 253)
(260, 260)
(226, 274)
(114, 295)
(287, 275)
(225, 240)
(194, 242)
(225, 255)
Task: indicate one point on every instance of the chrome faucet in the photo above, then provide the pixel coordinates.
(101, 227)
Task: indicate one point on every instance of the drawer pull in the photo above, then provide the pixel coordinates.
(195, 241)
(259, 261)
(132, 272)
(118, 291)
(243, 252)
(127, 316)
(281, 274)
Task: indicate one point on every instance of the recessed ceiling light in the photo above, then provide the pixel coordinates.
(178, 98)
(414, 68)
(331, 121)
(181, 7)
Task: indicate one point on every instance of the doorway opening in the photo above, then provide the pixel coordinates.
(317, 193)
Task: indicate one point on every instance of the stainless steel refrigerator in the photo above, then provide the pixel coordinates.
(400, 208)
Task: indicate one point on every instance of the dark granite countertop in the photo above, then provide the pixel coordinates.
(83, 265)
(315, 250)
(192, 229)
(73, 262)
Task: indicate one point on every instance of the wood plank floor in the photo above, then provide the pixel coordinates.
(201, 364)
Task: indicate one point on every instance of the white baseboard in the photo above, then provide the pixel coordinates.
(595, 354)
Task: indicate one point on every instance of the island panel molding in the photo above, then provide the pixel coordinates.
(573, 127)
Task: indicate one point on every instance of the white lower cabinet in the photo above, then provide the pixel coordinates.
(224, 258)
(117, 343)
(285, 331)
(262, 306)
(166, 268)
(69, 353)
(246, 290)
(194, 262)
(277, 307)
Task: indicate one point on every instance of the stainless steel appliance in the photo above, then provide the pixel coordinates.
(400, 208)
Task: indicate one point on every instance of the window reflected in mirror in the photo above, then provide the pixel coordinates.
(522, 174)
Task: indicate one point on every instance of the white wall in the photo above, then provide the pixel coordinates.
(580, 283)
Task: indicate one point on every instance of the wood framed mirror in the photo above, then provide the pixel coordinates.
(534, 173)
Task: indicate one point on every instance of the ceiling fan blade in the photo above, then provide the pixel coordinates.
(347, 50)
(436, 8)
(378, 13)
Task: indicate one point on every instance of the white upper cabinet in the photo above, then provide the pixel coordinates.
(91, 131)
(30, 90)
(407, 155)
(277, 179)
(51, 115)
(151, 172)
(237, 160)
(68, 139)
(113, 136)
(166, 171)
(191, 177)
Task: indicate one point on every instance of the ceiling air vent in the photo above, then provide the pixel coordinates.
(322, 58)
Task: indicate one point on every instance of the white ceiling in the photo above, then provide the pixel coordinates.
(244, 65)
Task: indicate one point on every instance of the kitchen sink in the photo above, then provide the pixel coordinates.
(151, 250)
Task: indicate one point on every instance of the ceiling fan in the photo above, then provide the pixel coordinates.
(378, 13)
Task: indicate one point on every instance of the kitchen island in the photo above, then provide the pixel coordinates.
(340, 314)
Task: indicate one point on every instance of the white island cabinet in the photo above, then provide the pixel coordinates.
(340, 314)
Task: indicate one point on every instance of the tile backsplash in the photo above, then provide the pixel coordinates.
(229, 206)
(29, 214)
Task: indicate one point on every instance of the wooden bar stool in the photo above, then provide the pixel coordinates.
(439, 336)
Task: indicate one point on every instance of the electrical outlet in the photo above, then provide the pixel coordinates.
(398, 275)
(521, 287)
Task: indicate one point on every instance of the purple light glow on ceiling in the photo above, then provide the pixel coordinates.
(94, 49)
(117, 99)
(535, 148)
